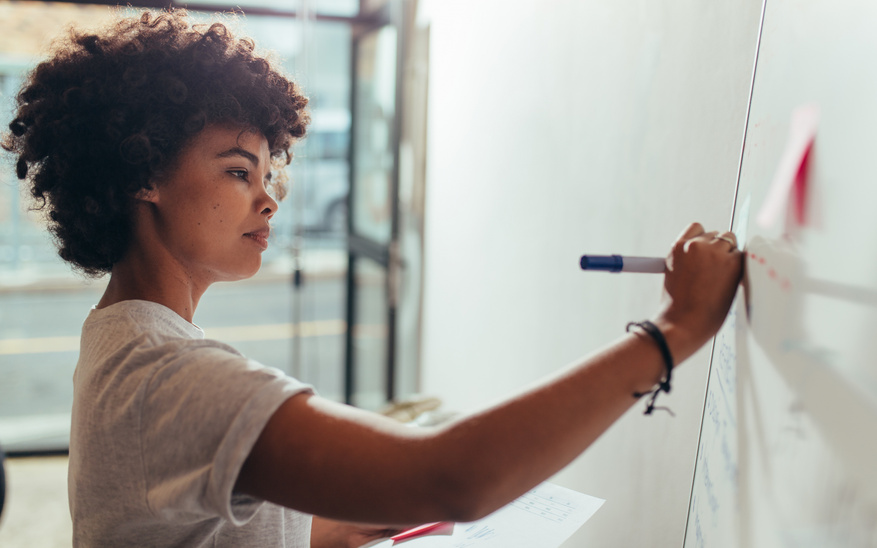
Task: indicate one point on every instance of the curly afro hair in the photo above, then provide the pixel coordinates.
(110, 111)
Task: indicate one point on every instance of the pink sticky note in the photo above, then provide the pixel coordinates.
(791, 173)
(799, 188)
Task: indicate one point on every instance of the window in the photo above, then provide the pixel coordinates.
(297, 329)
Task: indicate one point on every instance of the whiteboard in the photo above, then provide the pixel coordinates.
(788, 448)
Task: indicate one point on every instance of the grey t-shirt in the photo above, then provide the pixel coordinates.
(163, 420)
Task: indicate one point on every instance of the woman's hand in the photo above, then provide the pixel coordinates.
(703, 271)
(326, 533)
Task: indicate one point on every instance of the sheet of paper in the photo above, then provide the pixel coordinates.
(544, 517)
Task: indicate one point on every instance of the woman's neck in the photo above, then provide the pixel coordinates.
(133, 279)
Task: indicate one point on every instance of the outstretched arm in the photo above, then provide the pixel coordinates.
(344, 463)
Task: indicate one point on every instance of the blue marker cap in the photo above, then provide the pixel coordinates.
(611, 263)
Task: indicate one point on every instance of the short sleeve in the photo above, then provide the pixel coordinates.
(202, 410)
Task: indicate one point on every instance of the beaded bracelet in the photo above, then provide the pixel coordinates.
(664, 385)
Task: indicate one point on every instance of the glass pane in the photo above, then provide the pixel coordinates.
(347, 8)
(370, 335)
(343, 8)
(321, 170)
(43, 304)
(39, 346)
(374, 151)
(370, 6)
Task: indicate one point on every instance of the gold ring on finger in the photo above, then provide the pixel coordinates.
(727, 239)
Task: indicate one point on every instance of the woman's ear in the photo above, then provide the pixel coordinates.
(147, 194)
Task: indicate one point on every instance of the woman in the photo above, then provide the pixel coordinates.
(152, 147)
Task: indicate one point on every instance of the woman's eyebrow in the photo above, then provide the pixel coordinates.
(238, 151)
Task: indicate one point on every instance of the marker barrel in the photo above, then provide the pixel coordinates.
(651, 265)
(618, 263)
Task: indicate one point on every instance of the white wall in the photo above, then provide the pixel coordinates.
(558, 128)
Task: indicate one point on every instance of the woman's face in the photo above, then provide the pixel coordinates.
(211, 211)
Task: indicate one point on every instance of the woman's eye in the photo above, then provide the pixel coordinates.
(239, 173)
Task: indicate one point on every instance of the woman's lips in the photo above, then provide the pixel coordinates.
(260, 237)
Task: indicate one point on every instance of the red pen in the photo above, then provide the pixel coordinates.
(437, 528)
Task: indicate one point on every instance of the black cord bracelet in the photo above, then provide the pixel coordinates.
(664, 385)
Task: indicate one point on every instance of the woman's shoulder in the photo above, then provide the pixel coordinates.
(138, 316)
(149, 341)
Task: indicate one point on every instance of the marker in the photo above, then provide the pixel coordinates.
(438, 528)
(617, 263)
